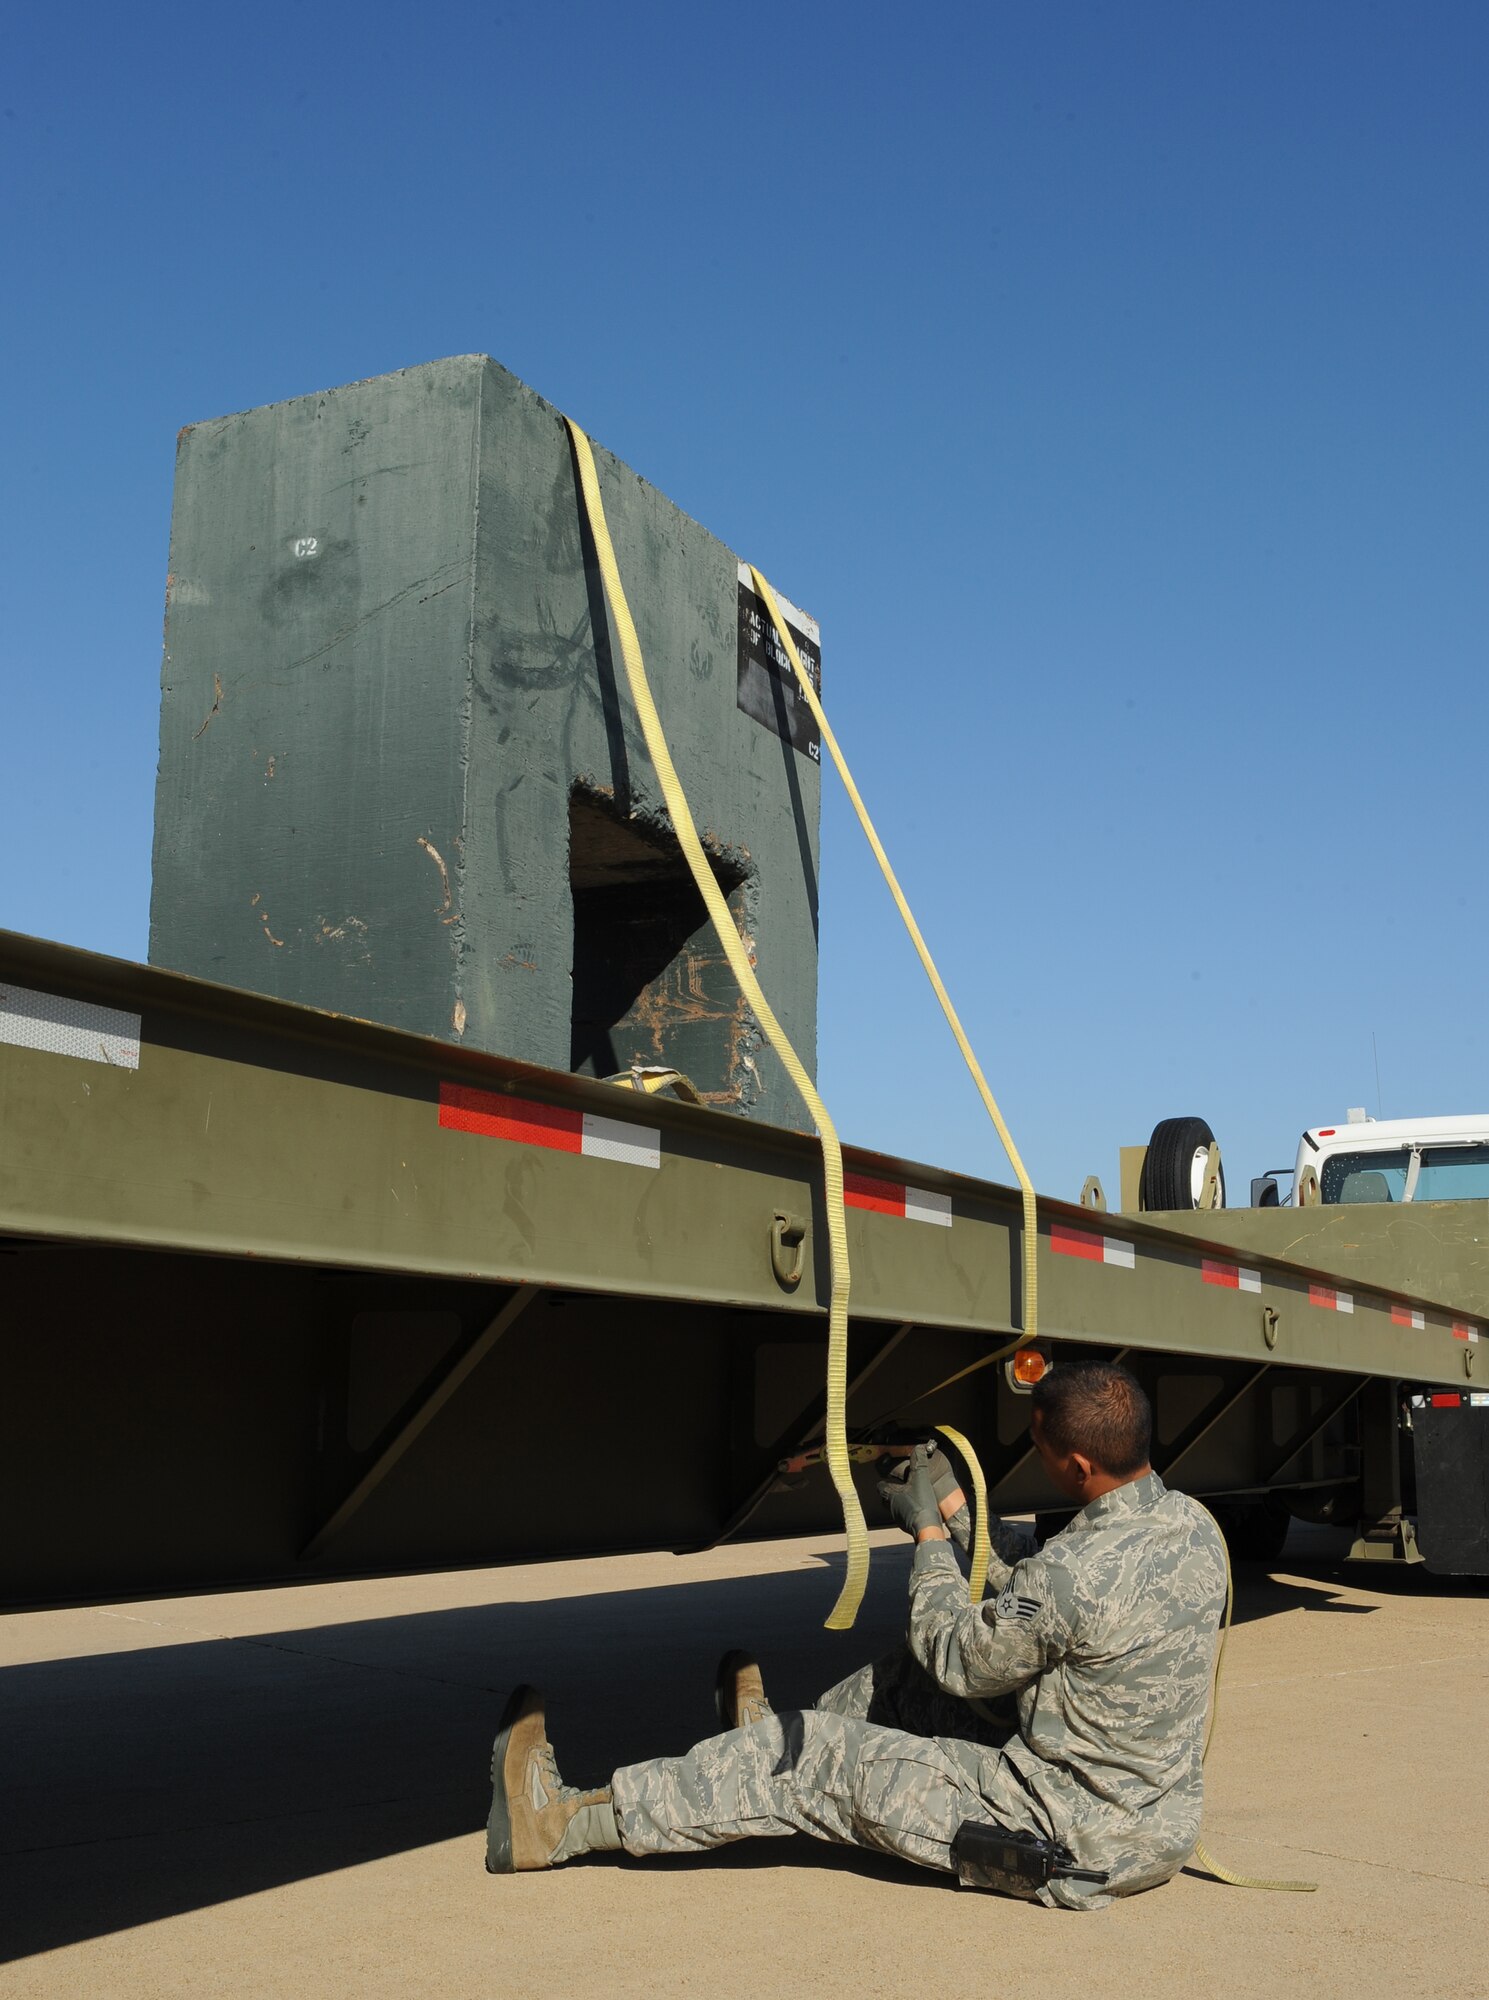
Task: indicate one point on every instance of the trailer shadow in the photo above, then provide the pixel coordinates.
(155, 1778)
(151, 1779)
(1313, 1571)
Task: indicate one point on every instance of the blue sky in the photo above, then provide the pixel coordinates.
(1109, 381)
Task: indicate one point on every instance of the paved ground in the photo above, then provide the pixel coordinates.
(281, 1792)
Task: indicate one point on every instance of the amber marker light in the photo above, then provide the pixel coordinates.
(1029, 1367)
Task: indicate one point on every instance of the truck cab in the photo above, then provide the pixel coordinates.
(1394, 1160)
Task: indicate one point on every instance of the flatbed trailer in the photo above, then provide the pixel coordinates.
(290, 1294)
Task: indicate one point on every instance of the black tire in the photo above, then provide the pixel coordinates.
(1254, 1530)
(1169, 1170)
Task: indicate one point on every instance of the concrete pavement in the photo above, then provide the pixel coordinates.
(281, 1792)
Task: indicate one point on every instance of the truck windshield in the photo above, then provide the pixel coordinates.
(1364, 1176)
(1453, 1173)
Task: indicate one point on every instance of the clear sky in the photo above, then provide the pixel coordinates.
(1109, 380)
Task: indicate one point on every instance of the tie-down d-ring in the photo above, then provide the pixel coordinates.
(787, 1237)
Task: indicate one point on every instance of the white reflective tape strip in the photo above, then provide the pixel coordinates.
(923, 1206)
(1478, 1399)
(1248, 1281)
(1115, 1251)
(613, 1139)
(1344, 1302)
(62, 1027)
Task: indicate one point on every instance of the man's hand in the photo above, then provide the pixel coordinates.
(950, 1498)
(1010, 1543)
(910, 1497)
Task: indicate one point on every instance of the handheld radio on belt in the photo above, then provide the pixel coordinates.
(1015, 1864)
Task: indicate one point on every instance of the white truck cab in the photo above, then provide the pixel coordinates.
(1396, 1159)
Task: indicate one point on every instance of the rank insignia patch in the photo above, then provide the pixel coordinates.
(1011, 1605)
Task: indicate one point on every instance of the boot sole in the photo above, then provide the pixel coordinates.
(520, 1705)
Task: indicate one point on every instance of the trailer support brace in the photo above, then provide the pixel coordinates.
(1200, 1429)
(444, 1388)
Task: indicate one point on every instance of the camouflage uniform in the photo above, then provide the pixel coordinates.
(1107, 1635)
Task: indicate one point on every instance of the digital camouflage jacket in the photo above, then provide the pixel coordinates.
(1107, 1638)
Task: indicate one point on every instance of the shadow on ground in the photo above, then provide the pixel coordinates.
(166, 1778)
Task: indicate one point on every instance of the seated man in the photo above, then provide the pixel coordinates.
(1106, 1637)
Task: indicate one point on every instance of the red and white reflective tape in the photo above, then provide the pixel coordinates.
(1408, 1316)
(463, 1108)
(1331, 1300)
(1068, 1242)
(1463, 1331)
(892, 1198)
(1237, 1277)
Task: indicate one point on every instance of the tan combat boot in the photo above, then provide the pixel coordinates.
(537, 1821)
(739, 1691)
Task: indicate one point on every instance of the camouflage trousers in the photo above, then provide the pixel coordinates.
(884, 1761)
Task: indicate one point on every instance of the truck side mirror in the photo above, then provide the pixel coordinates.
(1264, 1192)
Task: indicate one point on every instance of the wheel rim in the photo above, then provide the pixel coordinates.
(1197, 1167)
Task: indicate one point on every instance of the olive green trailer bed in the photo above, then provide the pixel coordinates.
(284, 1293)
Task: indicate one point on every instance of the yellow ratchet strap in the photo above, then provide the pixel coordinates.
(835, 1430)
(650, 1079)
(982, 1541)
(990, 1103)
(1202, 1854)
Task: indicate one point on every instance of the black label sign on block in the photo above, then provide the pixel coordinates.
(768, 689)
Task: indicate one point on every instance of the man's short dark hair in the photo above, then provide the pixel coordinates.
(1099, 1410)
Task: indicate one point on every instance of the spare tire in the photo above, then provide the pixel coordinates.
(1174, 1171)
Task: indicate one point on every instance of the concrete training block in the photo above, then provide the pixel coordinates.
(400, 774)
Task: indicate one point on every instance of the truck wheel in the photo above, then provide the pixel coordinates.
(1174, 1171)
(1254, 1530)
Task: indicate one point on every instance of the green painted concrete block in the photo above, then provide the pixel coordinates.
(400, 774)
